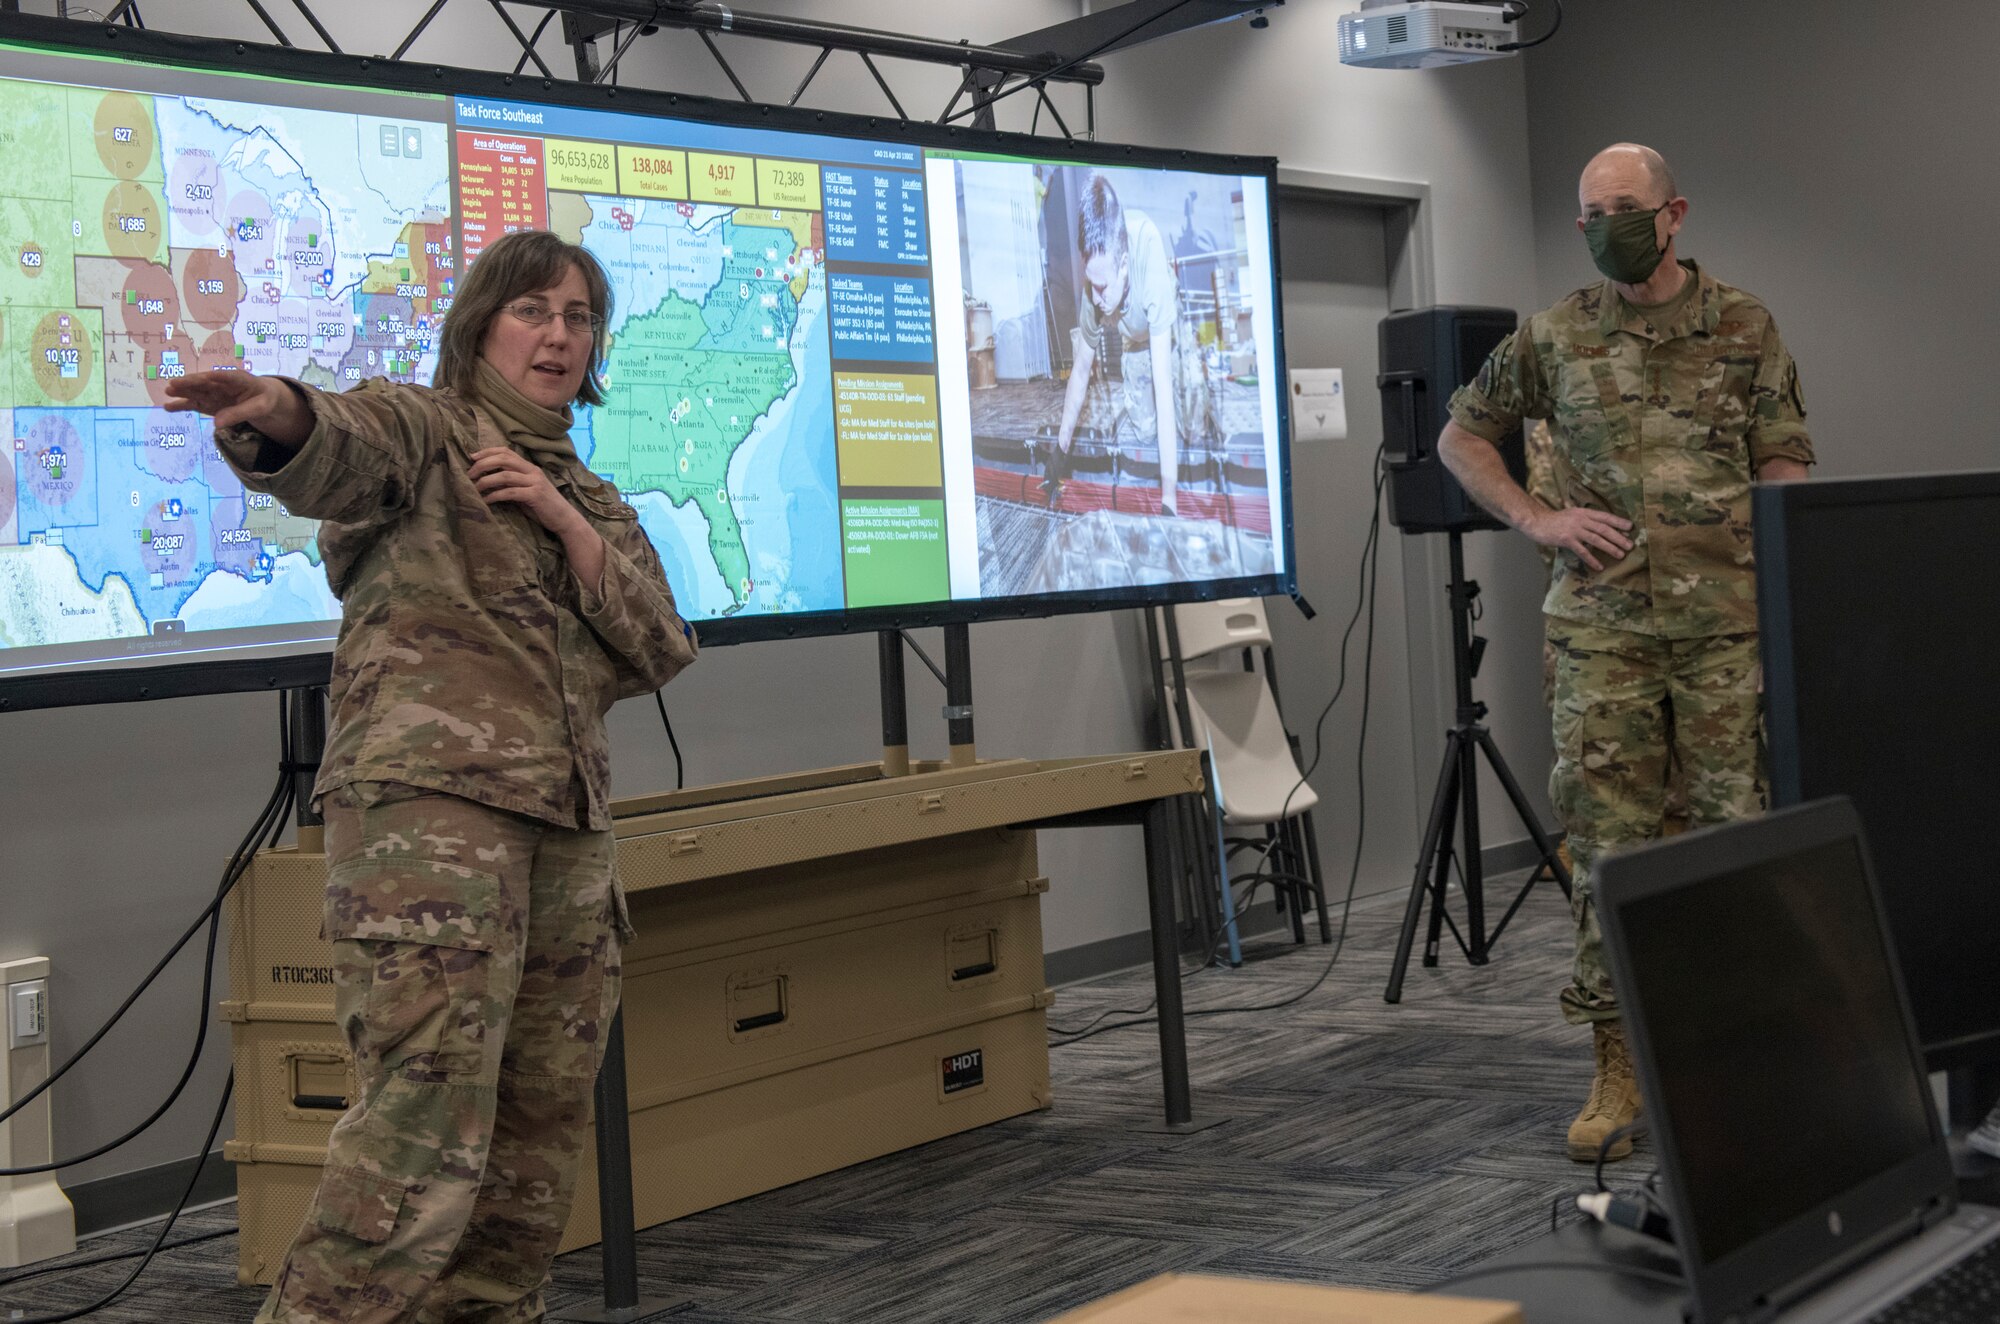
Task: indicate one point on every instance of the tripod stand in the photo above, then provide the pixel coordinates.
(1458, 796)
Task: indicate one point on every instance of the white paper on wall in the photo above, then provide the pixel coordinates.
(1319, 405)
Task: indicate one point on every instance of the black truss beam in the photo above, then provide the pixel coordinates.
(1106, 31)
(1063, 53)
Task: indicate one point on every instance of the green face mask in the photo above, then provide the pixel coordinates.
(1622, 245)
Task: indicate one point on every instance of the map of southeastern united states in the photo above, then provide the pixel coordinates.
(691, 379)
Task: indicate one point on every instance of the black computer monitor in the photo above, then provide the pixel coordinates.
(1882, 680)
(1782, 1079)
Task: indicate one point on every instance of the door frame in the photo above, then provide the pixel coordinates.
(1406, 217)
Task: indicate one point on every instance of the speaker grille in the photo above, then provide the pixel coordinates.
(1475, 340)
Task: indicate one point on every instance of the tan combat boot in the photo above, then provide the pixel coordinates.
(1614, 1098)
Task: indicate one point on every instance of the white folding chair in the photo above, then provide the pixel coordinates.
(1231, 712)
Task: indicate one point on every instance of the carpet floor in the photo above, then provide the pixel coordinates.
(1366, 1144)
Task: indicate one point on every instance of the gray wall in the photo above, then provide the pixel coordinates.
(1281, 91)
(114, 821)
(1839, 169)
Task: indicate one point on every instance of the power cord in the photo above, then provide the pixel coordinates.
(159, 1242)
(1186, 973)
(680, 768)
(1364, 599)
(115, 1256)
(266, 830)
(1645, 1213)
(1526, 45)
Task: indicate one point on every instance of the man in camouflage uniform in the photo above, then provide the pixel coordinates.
(1539, 443)
(1669, 394)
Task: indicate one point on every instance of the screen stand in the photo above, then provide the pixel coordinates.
(1458, 791)
(623, 1303)
(955, 676)
(308, 739)
(895, 705)
(958, 695)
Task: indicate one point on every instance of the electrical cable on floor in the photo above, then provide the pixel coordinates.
(187, 1193)
(1186, 974)
(114, 1256)
(1617, 1134)
(270, 824)
(1365, 598)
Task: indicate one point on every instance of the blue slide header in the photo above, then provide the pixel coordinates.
(655, 131)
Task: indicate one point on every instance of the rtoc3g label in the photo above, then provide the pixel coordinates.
(962, 1071)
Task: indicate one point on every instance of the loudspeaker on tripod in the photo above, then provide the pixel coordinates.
(1426, 354)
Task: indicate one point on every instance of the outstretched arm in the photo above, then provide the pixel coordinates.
(268, 404)
(348, 457)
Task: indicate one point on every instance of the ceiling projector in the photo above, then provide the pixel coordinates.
(1390, 34)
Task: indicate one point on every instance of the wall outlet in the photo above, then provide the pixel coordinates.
(36, 1221)
(28, 1013)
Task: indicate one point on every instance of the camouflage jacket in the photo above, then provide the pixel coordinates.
(1663, 425)
(471, 660)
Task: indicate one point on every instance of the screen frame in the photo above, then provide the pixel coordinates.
(115, 682)
(1791, 1260)
(1775, 509)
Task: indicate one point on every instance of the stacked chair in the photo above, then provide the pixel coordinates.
(1215, 689)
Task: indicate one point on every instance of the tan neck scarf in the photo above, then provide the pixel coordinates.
(542, 433)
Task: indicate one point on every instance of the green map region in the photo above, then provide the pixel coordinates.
(692, 376)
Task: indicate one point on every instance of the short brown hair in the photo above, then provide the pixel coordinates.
(513, 265)
(1100, 221)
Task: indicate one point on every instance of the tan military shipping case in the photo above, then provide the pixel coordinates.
(779, 1024)
(1177, 1298)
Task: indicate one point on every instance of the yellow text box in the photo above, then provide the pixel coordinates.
(886, 428)
(793, 185)
(580, 167)
(722, 178)
(652, 172)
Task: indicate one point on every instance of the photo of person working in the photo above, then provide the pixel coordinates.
(1130, 308)
(1118, 429)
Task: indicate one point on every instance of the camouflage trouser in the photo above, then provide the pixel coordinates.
(1677, 819)
(1137, 417)
(1624, 704)
(1129, 412)
(476, 973)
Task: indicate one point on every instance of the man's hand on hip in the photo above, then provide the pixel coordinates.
(1583, 531)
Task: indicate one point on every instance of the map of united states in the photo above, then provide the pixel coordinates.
(147, 237)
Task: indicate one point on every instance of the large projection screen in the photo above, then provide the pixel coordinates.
(840, 356)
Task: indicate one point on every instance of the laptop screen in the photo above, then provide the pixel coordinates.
(1778, 1040)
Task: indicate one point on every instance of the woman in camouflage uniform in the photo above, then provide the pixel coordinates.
(497, 598)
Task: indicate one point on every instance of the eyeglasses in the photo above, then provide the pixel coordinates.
(538, 314)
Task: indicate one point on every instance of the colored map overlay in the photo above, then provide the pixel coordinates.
(719, 424)
(144, 237)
